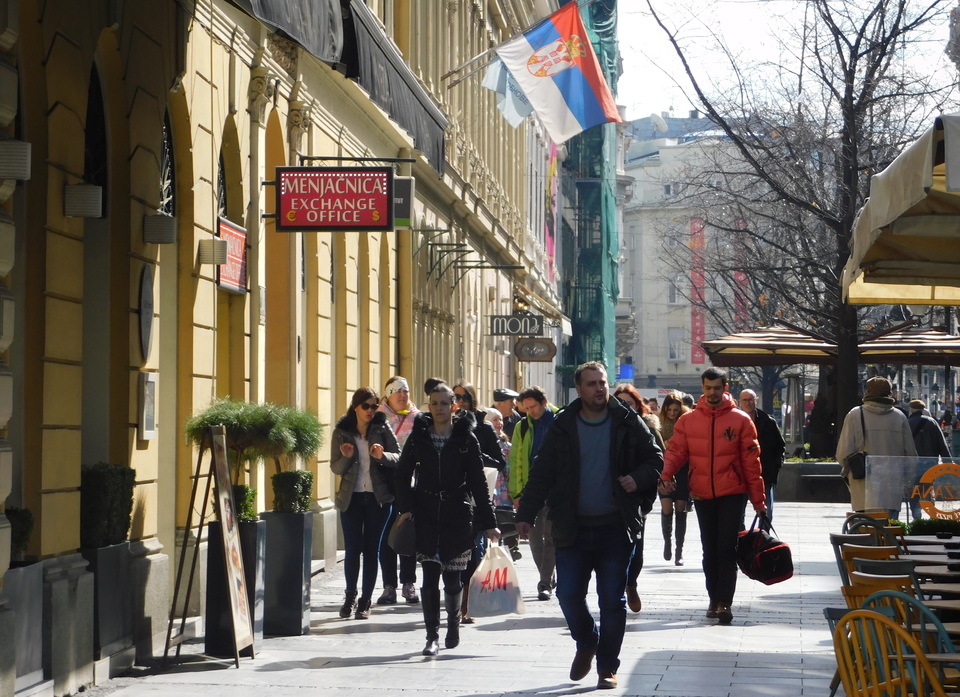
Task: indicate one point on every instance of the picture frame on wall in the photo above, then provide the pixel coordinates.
(147, 423)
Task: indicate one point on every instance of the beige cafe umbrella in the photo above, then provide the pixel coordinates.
(781, 344)
(906, 238)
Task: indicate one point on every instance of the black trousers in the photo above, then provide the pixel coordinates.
(720, 520)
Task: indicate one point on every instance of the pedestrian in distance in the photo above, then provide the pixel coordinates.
(930, 444)
(465, 396)
(505, 401)
(363, 450)
(439, 468)
(720, 443)
(503, 505)
(883, 431)
(772, 445)
(400, 412)
(527, 438)
(674, 505)
(628, 394)
(596, 471)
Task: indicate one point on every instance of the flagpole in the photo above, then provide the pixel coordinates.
(463, 77)
(492, 49)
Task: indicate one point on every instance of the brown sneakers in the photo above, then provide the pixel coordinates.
(582, 663)
(607, 680)
(724, 614)
(712, 611)
(633, 599)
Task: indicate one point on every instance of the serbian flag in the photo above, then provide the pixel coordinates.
(556, 68)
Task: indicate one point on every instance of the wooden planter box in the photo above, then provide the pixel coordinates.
(112, 616)
(218, 624)
(23, 585)
(286, 600)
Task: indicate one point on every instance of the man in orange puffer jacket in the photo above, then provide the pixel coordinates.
(720, 442)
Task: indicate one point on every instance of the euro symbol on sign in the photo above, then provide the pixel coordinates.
(291, 216)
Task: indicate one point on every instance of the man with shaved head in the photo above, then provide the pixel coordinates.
(771, 444)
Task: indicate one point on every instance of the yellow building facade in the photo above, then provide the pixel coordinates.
(150, 131)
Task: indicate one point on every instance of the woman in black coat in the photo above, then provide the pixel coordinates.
(439, 468)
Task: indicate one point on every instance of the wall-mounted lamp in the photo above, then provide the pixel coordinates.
(83, 200)
(159, 229)
(212, 251)
(14, 160)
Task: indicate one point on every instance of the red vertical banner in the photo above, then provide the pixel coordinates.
(741, 314)
(697, 288)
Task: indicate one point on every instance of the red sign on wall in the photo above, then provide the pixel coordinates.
(331, 199)
(232, 276)
(698, 318)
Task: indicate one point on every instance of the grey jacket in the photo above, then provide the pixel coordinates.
(381, 471)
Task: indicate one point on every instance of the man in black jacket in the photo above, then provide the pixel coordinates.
(771, 444)
(597, 471)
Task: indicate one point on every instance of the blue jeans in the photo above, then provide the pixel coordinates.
(363, 525)
(606, 551)
(768, 491)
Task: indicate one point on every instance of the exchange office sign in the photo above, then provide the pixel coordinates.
(332, 199)
(516, 325)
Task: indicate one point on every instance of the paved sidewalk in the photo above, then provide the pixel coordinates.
(778, 643)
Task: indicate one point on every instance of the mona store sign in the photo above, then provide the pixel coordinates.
(332, 199)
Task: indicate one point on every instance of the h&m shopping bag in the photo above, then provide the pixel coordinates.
(494, 589)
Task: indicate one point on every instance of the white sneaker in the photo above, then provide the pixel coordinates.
(409, 593)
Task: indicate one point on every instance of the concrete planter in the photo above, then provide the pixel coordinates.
(23, 585)
(112, 616)
(818, 482)
(286, 600)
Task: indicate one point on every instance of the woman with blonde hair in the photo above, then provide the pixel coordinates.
(675, 503)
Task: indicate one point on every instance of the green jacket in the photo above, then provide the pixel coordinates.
(520, 460)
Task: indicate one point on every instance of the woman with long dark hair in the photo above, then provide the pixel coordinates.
(628, 393)
(442, 457)
(675, 503)
(362, 449)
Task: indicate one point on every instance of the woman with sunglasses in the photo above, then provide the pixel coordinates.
(442, 456)
(362, 449)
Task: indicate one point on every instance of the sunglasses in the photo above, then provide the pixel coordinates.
(463, 398)
(367, 406)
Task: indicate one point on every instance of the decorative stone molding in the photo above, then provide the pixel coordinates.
(260, 92)
(298, 123)
(284, 52)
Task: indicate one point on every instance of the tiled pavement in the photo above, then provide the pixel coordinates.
(777, 645)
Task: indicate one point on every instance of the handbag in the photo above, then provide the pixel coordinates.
(762, 557)
(494, 589)
(857, 463)
(402, 537)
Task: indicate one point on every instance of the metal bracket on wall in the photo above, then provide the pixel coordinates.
(438, 250)
(464, 267)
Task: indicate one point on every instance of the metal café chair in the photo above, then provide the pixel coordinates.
(839, 539)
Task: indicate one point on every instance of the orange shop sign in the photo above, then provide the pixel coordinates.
(331, 199)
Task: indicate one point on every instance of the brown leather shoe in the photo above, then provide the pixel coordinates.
(582, 663)
(712, 611)
(724, 614)
(633, 599)
(607, 680)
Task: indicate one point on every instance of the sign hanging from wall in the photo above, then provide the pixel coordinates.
(535, 350)
(232, 276)
(334, 199)
(404, 189)
(516, 325)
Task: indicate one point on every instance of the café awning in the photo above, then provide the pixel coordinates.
(906, 238)
(782, 344)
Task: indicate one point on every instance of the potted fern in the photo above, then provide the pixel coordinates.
(23, 586)
(106, 506)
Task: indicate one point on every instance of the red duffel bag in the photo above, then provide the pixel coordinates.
(763, 557)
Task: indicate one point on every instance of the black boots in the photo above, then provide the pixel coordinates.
(430, 602)
(666, 524)
(349, 603)
(681, 533)
(452, 604)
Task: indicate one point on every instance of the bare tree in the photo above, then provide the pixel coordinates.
(807, 131)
